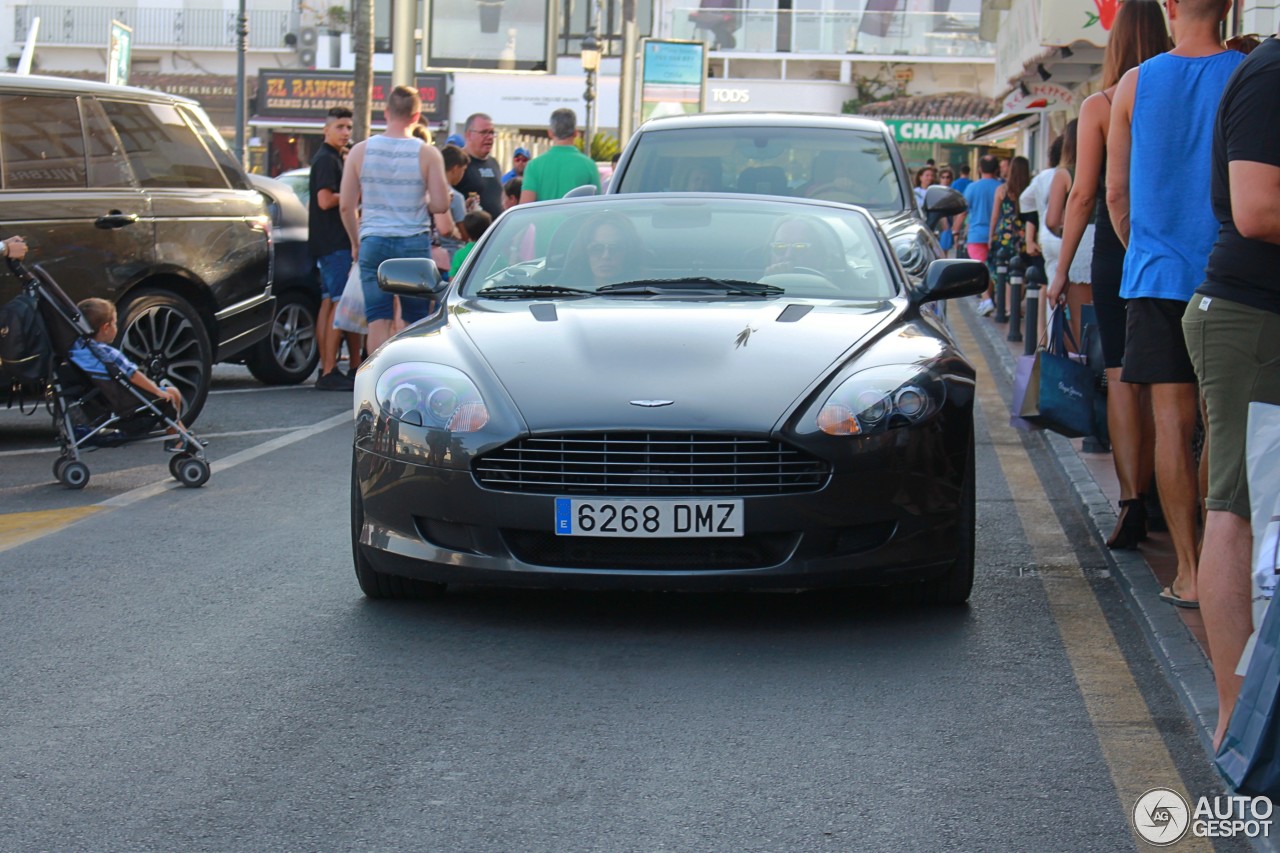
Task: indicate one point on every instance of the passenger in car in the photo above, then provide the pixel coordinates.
(608, 251)
(802, 243)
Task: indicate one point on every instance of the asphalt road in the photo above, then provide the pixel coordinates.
(197, 670)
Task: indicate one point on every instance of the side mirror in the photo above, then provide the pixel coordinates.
(944, 201)
(411, 277)
(581, 192)
(950, 278)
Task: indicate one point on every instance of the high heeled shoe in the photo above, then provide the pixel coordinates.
(1131, 526)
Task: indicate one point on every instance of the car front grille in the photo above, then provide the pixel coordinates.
(646, 464)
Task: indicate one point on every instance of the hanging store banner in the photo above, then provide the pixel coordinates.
(1065, 22)
(119, 53)
(673, 76)
(1038, 97)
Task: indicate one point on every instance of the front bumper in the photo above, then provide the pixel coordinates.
(890, 513)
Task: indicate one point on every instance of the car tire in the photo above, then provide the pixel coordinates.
(164, 335)
(373, 583)
(954, 585)
(290, 353)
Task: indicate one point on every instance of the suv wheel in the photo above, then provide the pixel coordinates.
(165, 337)
(289, 354)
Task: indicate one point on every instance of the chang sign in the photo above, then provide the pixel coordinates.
(929, 130)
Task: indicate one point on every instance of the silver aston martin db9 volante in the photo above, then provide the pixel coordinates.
(669, 391)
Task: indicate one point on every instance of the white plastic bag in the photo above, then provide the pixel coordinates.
(1262, 446)
(349, 313)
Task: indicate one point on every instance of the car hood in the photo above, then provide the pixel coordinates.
(725, 365)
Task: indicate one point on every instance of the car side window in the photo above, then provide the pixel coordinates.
(226, 161)
(108, 165)
(162, 147)
(41, 143)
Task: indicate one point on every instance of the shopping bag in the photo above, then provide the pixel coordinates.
(1021, 381)
(1262, 448)
(1060, 391)
(348, 315)
(1249, 757)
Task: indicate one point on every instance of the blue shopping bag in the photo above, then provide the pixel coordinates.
(1060, 392)
(1249, 758)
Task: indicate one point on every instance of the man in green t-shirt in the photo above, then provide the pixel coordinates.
(562, 167)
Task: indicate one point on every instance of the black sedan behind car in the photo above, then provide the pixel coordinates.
(670, 391)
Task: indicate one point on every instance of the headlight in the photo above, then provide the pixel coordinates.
(912, 252)
(431, 395)
(881, 398)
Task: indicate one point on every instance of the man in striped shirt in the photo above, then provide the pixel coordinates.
(391, 184)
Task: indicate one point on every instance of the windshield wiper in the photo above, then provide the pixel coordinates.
(532, 291)
(699, 282)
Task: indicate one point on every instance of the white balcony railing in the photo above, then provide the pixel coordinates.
(915, 34)
(90, 26)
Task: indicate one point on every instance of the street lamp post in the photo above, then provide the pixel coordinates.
(590, 64)
(242, 46)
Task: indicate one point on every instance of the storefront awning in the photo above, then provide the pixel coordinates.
(1000, 127)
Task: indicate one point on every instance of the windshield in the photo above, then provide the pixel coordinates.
(853, 167)
(679, 247)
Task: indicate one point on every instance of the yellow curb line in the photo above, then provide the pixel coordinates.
(1131, 743)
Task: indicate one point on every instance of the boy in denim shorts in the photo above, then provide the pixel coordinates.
(331, 247)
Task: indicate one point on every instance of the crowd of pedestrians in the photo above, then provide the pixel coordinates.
(1182, 277)
(398, 195)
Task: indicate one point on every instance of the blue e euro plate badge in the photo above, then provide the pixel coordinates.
(564, 516)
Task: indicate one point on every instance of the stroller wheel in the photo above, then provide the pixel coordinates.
(57, 467)
(174, 462)
(190, 472)
(74, 475)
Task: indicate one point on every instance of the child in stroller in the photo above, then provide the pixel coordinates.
(97, 396)
(92, 355)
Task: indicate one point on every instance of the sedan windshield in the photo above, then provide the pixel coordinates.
(835, 164)
(680, 247)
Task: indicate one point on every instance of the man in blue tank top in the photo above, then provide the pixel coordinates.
(1164, 113)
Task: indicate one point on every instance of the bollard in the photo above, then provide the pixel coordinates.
(1002, 276)
(1035, 280)
(1017, 277)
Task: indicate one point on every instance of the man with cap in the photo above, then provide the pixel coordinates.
(518, 161)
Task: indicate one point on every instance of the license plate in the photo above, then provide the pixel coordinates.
(655, 519)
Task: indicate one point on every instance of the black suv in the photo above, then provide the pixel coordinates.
(131, 195)
(837, 158)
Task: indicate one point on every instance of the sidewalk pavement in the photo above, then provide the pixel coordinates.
(1176, 635)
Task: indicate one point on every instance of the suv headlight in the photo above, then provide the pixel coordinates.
(881, 398)
(431, 395)
(912, 252)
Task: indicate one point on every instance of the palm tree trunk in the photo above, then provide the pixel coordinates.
(361, 107)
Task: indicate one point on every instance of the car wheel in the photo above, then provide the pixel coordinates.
(953, 586)
(373, 583)
(165, 337)
(290, 353)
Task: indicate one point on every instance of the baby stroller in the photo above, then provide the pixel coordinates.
(90, 412)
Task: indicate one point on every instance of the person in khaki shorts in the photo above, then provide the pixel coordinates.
(1232, 328)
